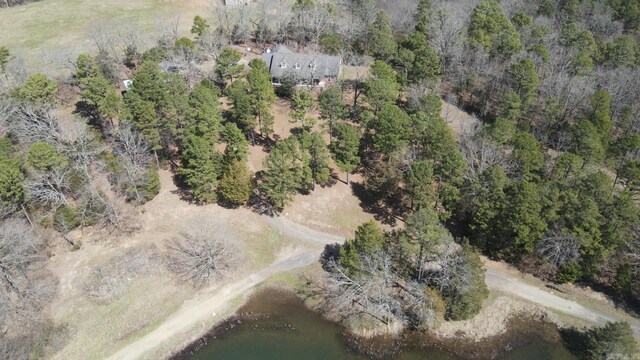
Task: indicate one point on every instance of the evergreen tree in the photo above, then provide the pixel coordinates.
(382, 87)
(44, 157)
(200, 26)
(390, 129)
(368, 240)
(332, 108)
(85, 67)
(524, 79)
(527, 155)
(423, 15)
(468, 291)
(38, 89)
(491, 29)
(487, 206)
(282, 175)
(601, 114)
(425, 64)
(12, 192)
(345, 147)
(201, 167)
(419, 181)
(316, 156)
(203, 116)
(587, 142)
(227, 66)
(5, 56)
(143, 115)
(301, 104)
(237, 148)
(521, 220)
(235, 185)
(612, 341)
(242, 110)
(102, 96)
(423, 240)
(382, 44)
(261, 94)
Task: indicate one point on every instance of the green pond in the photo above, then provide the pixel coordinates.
(275, 324)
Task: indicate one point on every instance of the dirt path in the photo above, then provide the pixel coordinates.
(193, 314)
(189, 316)
(503, 280)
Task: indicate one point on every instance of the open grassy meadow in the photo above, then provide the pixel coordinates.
(46, 32)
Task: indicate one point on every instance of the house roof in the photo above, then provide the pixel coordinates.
(283, 62)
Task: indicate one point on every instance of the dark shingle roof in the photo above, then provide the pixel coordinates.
(282, 62)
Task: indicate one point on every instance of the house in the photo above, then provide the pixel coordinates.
(304, 69)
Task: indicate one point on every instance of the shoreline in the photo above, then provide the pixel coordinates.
(459, 337)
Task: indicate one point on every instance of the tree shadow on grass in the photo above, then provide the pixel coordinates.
(182, 189)
(387, 211)
(577, 342)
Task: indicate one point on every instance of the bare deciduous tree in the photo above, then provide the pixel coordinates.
(559, 248)
(18, 244)
(134, 158)
(479, 153)
(110, 280)
(363, 298)
(200, 257)
(30, 124)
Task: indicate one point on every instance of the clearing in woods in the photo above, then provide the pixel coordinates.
(47, 32)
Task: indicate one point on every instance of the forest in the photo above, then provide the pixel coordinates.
(546, 177)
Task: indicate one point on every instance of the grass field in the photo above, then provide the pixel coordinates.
(53, 29)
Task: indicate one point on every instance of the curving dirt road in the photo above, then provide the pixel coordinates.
(504, 281)
(194, 313)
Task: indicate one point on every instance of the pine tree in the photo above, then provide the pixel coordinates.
(38, 89)
(44, 157)
(237, 148)
(242, 110)
(203, 116)
(316, 156)
(382, 87)
(201, 167)
(227, 66)
(331, 107)
(261, 94)
(423, 240)
(368, 240)
(345, 147)
(301, 104)
(283, 171)
(382, 44)
(235, 185)
(419, 181)
(200, 26)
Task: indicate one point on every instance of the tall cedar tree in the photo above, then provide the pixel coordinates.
(332, 108)
(235, 185)
(201, 167)
(345, 147)
(261, 94)
(283, 170)
(227, 66)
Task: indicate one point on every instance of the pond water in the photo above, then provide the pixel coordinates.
(275, 324)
